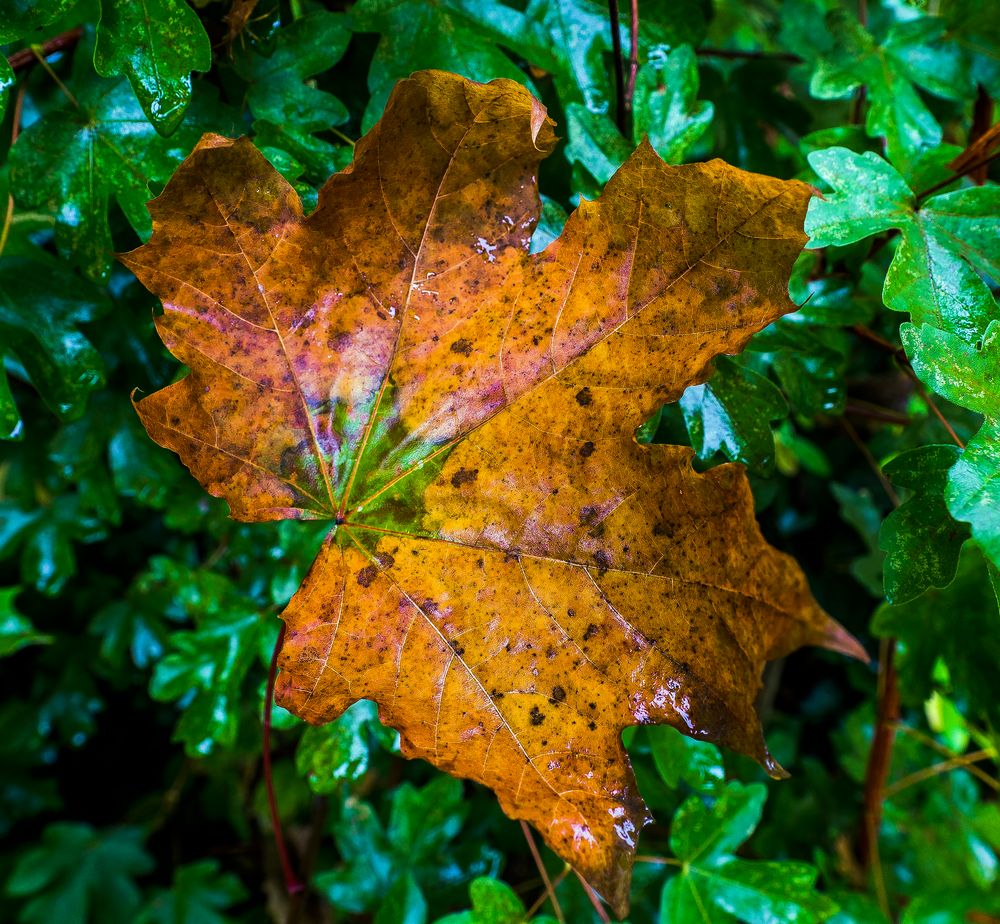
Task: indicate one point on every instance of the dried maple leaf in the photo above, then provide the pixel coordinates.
(509, 575)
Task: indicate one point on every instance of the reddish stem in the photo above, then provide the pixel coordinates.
(633, 61)
(292, 882)
(621, 112)
(25, 56)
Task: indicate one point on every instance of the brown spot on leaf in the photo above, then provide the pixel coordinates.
(464, 476)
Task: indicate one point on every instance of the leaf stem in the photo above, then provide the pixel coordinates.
(928, 741)
(37, 51)
(621, 113)
(341, 136)
(962, 760)
(543, 872)
(633, 63)
(659, 861)
(25, 56)
(877, 771)
(292, 882)
(544, 897)
(594, 900)
(15, 130)
(907, 368)
(871, 460)
(965, 171)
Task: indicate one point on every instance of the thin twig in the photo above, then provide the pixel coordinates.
(292, 882)
(633, 63)
(734, 54)
(904, 364)
(37, 51)
(860, 408)
(877, 771)
(544, 897)
(969, 168)
(927, 740)
(871, 460)
(616, 48)
(15, 130)
(659, 861)
(594, 900)
(944, 766)
(26, 56)
(543, 872)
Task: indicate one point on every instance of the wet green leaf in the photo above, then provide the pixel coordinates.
(78, 158)
(957, 623)
(921, 539)
(279, 90)
(713, 885)
(42, 307)
(156, 44)
(679, 758)
(967, 374)
(732, 413)
(666, 105)
(417, 840)
(933, 275)
(461, 36)
(493, 902)
(911, 52)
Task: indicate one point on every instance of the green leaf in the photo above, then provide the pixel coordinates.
(732, 413)
(594, 142)
(679, 758)
(42, 306)
(667, 114)
(16, 631)
(921, 539)
(666, 105)
(205, 667)
(700, 833)
(713, 885)
(80, 874)
(809, 361)
(404, 903)
(22, 18)
(7, 82)
(417, 840)
(933, 274)
(493, 902)
(572, 38)
(887, 71)
(958, 623)
(199, 894)
(156, 44)
(278, 92)
(974, 29)
(75, 159)
(337, 752)
(451, 35)
(968, 375)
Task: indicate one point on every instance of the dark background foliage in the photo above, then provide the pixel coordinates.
(137, 621)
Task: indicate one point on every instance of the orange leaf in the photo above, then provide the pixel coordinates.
(509, 575)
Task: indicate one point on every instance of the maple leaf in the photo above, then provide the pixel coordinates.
(509, 575)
